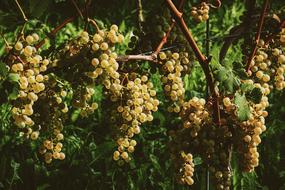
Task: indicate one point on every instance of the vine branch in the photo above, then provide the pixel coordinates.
(204, 62)
(257, 36)
(54, 31)
(141, 57)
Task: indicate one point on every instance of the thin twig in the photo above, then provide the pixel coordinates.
(19, 6)
(77, 9)
(16, 57)
(257, 36)
(54, 31)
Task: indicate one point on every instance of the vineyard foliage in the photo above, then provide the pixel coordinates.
(121, 94)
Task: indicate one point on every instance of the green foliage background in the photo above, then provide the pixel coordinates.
(89, 147)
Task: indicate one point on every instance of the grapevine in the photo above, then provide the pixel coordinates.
(119, 84)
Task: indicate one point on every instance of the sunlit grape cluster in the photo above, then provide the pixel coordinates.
(135, 107)
(28, 65)
(187, 170)
(104, 60)
(194, 114)
(269, 64)
(252, 129)
(173, 67)
(201, 12)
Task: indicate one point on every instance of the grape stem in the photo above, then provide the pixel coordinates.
(93, 22)
(216, 5)
(204, 62)
(257, 36)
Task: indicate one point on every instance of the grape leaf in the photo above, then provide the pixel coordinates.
(246, 87)
(13, 77)
(243, 110)
(228, 80)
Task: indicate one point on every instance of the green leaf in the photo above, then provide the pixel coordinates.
(243, 110)
(155, 162)
(222, 74)
(13, 77)
(122, 26)
(228, 80)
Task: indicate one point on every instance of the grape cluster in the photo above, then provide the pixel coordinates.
(52, 112)
(135, 108)
(187, 170)
(201, 12)
(191, 137)
(250, 135)
(269, 64)
(28, 65)
(173, 67)
(194, 115)
(93, 59)
(82, 99)
(248, 132)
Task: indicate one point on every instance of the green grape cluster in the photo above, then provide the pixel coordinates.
(201, 12)
(173, 67)
(28, 65)
(136, 104)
